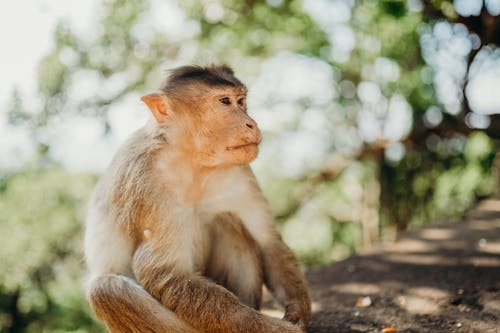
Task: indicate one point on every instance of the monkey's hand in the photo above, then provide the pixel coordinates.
(298, 315)
(282, 326)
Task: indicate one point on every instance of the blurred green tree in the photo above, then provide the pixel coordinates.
(40, 283)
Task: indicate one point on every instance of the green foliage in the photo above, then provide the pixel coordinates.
(41, 223)
(51, 75)
(232, 28)
(396, 8)
(443, 183)
(479, 147)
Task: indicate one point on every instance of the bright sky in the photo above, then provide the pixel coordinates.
(26, 28)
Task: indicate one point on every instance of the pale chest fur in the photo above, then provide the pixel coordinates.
(191, 205)
(202, 194)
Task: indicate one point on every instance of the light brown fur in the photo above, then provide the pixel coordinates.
(179, 237)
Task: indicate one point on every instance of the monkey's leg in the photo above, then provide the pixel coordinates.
(199, 301)
(235, 260)
(125, 307)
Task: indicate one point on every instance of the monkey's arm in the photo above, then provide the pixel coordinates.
(198, 301)
(284, 279)
(282, 274)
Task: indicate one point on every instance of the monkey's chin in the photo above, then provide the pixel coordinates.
(243, 154)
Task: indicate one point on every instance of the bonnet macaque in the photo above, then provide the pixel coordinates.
(179, 237)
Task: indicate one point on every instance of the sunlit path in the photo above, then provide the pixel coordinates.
(438, 279)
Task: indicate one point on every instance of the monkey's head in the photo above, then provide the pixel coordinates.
(203, 112)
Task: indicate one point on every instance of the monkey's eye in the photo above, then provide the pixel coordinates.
(241, 101)
(225, 100)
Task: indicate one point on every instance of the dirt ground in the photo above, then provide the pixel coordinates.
(439, 279)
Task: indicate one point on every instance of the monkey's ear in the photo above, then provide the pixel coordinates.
(159, 105)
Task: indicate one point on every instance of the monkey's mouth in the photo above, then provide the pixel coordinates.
(253, 144)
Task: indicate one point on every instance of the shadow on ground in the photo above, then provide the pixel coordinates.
(439, 279)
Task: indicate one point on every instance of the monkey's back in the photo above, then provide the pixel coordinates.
(118, 204)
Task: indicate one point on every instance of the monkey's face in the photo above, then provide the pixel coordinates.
(224, 134)
(209, 125)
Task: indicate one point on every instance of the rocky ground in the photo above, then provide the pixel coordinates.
(439, 279)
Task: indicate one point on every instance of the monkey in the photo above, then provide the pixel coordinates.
(178, 235)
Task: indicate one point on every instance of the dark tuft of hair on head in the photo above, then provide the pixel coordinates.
(212, 76)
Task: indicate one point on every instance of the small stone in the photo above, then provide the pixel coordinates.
(364, 302)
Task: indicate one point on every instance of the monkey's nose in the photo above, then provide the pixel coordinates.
(250, 124)
(252, 130)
